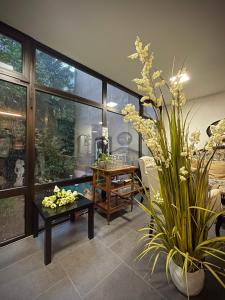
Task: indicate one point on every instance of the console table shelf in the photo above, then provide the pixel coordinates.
(119, 193)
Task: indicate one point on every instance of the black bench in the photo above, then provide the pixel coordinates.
(49, 215)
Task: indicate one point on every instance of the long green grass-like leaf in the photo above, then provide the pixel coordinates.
(214, 250)
(169, 256)
(211, 241)
(154, 247)
(214, 274)
(185, 270)
(208, 253)
(155, 262)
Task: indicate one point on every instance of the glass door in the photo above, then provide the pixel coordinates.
(13, 117)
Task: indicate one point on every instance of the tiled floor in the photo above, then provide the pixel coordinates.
(104, 268)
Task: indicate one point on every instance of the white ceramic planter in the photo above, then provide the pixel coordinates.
(194, 280)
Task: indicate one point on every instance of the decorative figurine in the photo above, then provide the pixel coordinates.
(19, 171)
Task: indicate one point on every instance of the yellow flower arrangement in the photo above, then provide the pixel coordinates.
(60, 198)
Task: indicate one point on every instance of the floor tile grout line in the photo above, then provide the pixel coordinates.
(142, 278)
(49, 288)
(16, 242)
(110, 245)
(76, 288)
(104, 246)
(19, 260)
(71, 281)
(60, 256)
(131, 230)
(95, 237)
(43, 267)
(38, 250)
(76, 248)
(103, 279)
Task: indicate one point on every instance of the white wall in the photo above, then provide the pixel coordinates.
(204, 111)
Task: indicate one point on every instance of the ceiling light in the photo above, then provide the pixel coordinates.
(10, 114)
(184, 77)
(180, 78)
(100, 123)
(112, 104)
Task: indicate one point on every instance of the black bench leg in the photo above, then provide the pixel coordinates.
(35, 222)
(91, 222)
(142, 197)
(72, 217)
(151, 226)
(218, 225)
(48, 243)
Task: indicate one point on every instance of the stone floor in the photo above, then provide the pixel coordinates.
(104, 268)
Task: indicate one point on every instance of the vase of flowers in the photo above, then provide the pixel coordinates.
(182, 211)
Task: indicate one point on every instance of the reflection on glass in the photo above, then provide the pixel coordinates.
(149, 112)
(123, 138)
(55, 73)
(65, 138)
(12, 134)
(10, 54)
(117, 99)
(11, 217)
(145, 150)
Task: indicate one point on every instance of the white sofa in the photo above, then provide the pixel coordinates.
(149, 173)
(149, 176)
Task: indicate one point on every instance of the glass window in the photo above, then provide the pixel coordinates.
(117, 99)
(145, 150)
(123, 139)
(10, 54)
(149, 112)
(66, 135)
(55, 73)
(11, 217)
(12, 134)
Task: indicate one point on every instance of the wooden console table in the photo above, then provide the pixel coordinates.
(119, 193)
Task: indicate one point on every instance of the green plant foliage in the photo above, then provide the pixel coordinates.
(9, 91)
(102, 157)
(53, 72)
(50, 149)
(11, 52)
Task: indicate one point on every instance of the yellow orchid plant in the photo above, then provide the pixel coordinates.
(181, 229)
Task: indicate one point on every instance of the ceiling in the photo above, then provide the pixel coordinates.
(100, 34)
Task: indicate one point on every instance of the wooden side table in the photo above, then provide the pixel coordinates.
(114, 189)
(49, 215)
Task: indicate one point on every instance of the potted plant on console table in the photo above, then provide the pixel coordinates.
(103, 162)
(180, 230)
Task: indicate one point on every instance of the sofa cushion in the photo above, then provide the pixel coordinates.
(217, 170)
